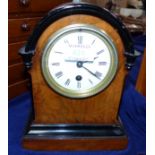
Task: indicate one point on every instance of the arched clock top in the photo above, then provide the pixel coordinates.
(72, 9)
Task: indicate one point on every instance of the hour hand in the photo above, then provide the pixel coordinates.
(69, 60)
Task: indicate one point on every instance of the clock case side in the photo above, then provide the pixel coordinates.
(35, 140)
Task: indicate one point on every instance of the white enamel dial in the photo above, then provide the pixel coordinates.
(79, 61)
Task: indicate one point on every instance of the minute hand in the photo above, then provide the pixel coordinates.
(91, 72)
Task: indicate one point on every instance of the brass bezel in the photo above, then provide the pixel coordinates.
(89, 92)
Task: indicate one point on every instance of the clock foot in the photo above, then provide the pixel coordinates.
(75, 137)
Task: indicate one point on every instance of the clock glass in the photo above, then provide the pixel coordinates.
(79, 61)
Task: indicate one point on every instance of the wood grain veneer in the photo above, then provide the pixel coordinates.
(16, 73)
(101, 108)
(141, 81)
(15, 89)
(20, 14)
(76, 144)
(13, 56)
(33, 6)
(17, 33)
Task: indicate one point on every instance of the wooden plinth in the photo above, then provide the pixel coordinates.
(76, 144)
(75, 137)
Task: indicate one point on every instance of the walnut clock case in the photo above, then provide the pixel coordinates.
(77, 56)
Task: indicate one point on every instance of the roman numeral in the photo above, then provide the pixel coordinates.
(80, 39)
(102, 63)
(55, 64)
(58, 52)
(98, 74)
(98, 53)
(93, 42)
(59, 74)
(90, 81)
(66, 41)
(78, 84)
(67, 82)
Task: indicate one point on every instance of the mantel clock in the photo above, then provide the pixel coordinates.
(77, 56)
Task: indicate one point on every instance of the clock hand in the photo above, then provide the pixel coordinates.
(89, 61)
(70, 60)
(91, 72)
(78, 61)
(80, 65)
(86, 61)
